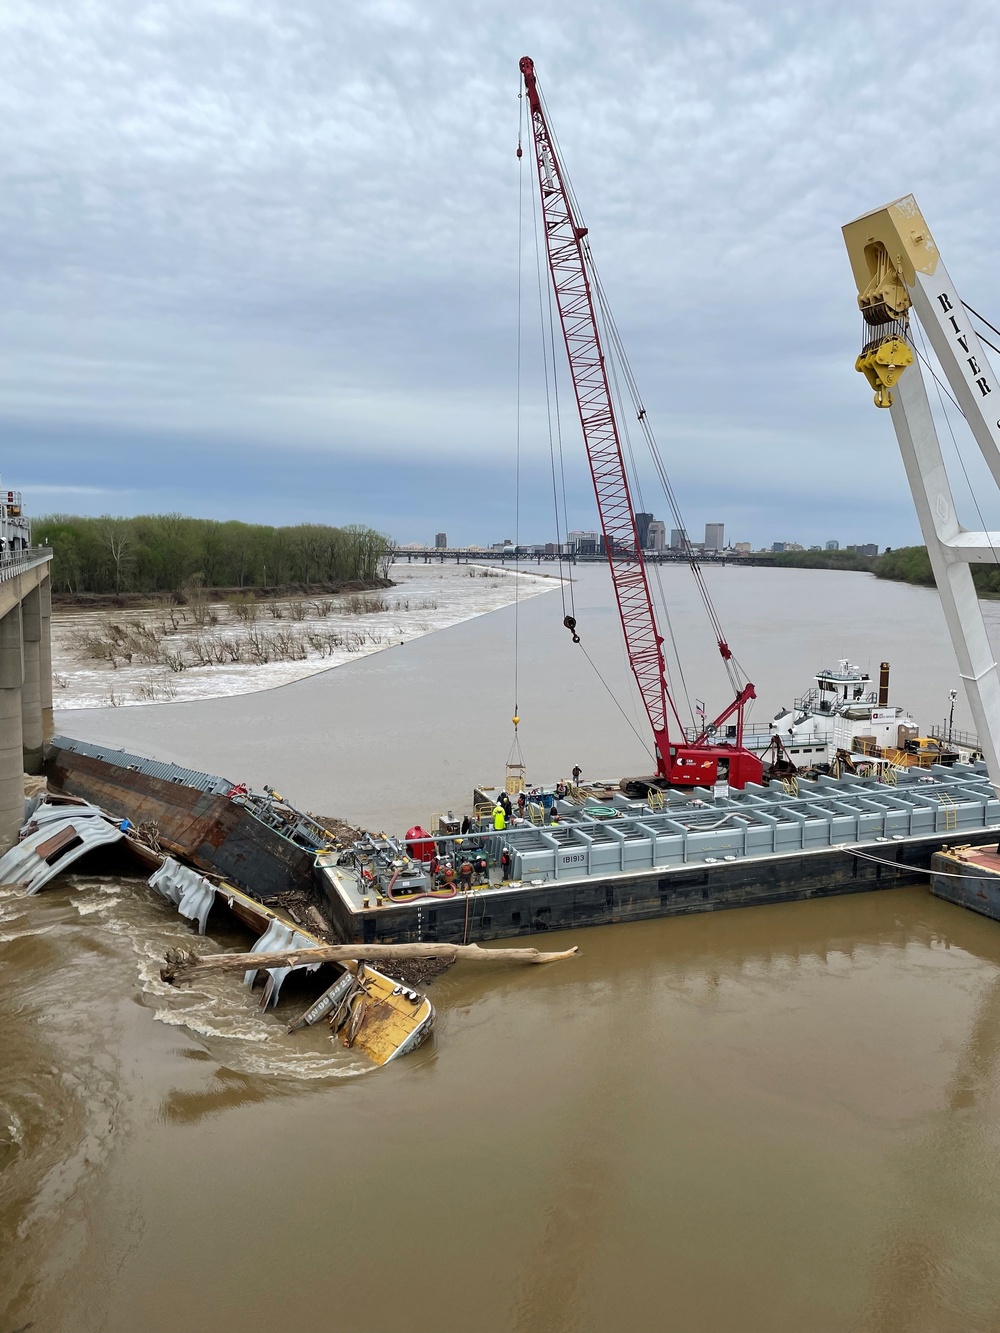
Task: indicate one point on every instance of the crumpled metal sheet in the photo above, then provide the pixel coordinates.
(192, 894)
(277, 937)
(27, 867)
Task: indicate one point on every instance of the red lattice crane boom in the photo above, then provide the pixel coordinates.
(703, 761)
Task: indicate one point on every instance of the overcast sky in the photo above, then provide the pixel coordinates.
(260, 259)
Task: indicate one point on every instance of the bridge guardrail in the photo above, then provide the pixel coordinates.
(17, 562)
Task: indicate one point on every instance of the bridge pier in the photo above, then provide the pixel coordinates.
(31, 688)
(25, 677)
(11, 745)
(45, 643)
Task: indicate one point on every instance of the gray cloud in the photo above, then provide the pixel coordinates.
(293, 226)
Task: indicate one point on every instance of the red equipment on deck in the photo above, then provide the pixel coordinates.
(420, 845)
(704, 760)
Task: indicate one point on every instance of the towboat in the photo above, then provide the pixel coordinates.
(844, 720)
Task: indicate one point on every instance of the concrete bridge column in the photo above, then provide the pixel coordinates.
(31, 690)
(11, 754)
(45, 643)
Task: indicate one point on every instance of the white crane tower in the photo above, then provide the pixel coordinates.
(897, 268)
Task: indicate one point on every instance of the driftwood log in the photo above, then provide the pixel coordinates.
(185, 964)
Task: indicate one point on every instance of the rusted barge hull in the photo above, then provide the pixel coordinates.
(195, 817)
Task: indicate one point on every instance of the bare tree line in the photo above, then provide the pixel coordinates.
(188, 637)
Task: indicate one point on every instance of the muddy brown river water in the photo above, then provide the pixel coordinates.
(782, 1118)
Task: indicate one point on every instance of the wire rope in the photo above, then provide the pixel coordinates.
(617, 704)
(516, 744)
(564, 577)
(676, 665)
(735, 672)
(548, 373)
(958, 453)
(990, 326)
(613, 340)
(559, 489)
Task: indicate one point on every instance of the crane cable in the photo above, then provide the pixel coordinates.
(551, 383)
(735, 671)
(990, 326)
(924, 357)
(515, 754)
(547, 321)
(677, 665)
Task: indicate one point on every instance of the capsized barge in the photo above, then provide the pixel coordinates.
(257, 842)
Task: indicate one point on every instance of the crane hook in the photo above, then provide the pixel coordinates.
(570, 623)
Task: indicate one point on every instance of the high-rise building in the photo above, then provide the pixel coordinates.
(582, 543)
(656, 535)
(642, 522)
(678, 538)
(440, 541)
(715, 536)
(833, 546)
(777, 547)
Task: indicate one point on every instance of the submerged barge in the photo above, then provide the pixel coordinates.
(603, 862)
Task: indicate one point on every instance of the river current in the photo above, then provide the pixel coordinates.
(781, 1118)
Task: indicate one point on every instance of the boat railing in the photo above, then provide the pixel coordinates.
(815, 702)
(286, 820)
(953, 736)
(753, 730)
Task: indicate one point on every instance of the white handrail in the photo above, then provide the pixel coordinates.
(13, 563)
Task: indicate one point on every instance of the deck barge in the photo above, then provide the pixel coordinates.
(700, 853)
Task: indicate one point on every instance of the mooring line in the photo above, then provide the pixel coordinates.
(917, 870)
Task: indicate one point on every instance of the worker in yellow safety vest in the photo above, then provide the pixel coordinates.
(499, 818)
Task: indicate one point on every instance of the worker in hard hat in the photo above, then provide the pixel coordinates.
(499, 818)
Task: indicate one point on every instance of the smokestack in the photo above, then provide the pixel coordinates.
(883, 685)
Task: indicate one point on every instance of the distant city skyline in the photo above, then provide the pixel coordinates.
(589, 541)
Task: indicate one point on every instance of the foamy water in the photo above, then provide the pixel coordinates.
(425, 598)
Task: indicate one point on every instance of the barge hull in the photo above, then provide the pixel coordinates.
(969, 876)
(197, 822)
(567, 905)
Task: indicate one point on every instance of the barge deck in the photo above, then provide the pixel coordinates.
(700, 853)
